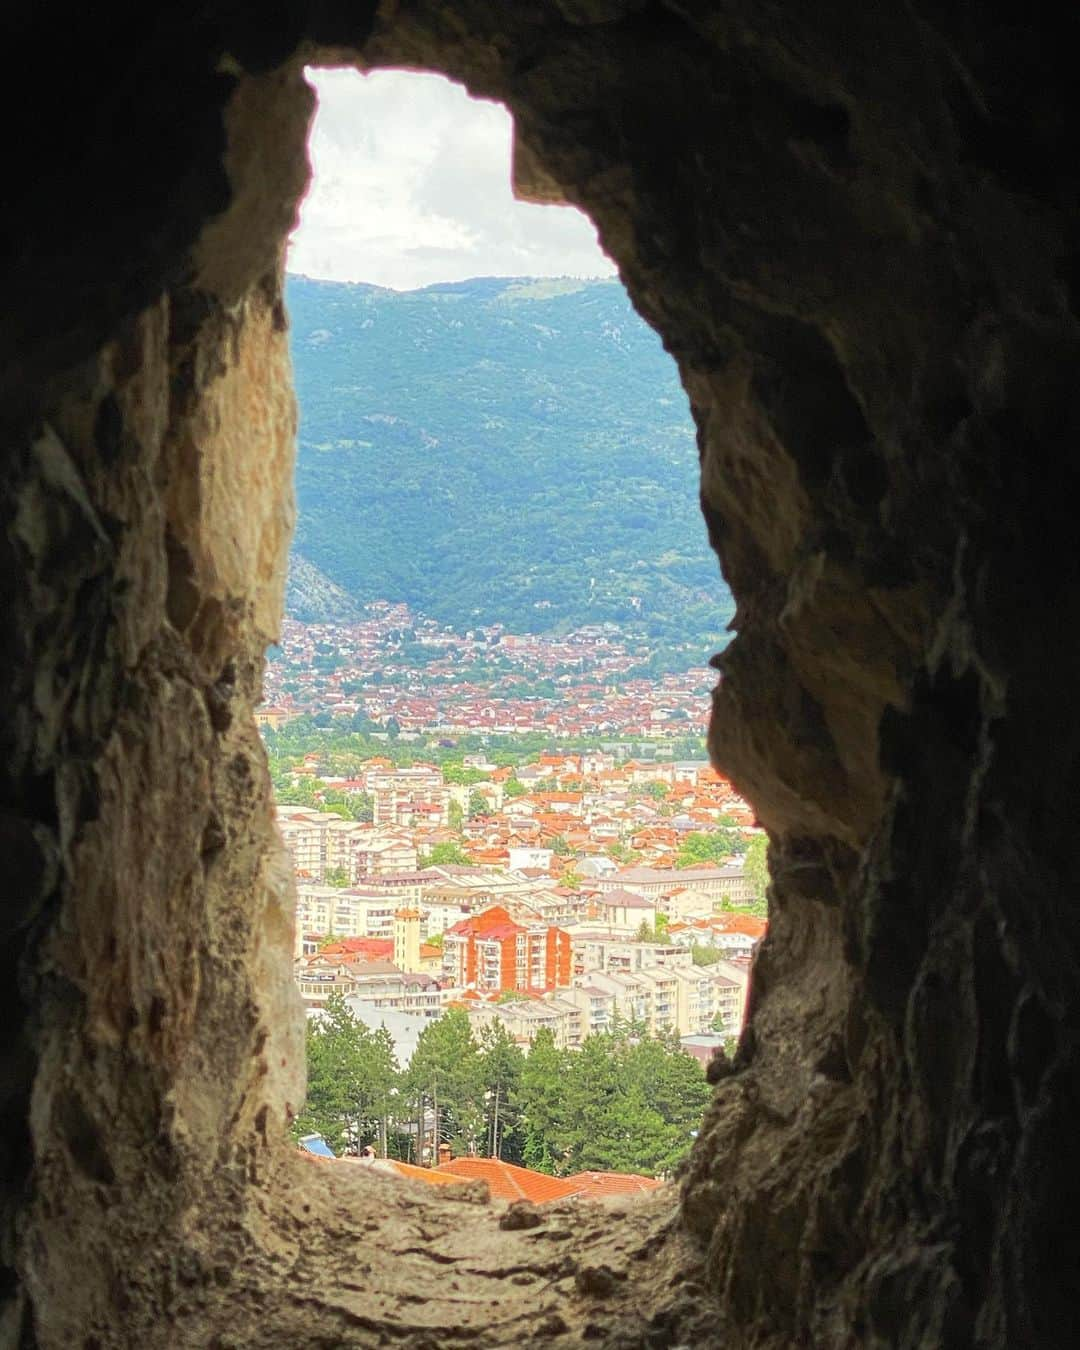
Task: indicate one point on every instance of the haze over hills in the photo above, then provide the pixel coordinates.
(515, 451)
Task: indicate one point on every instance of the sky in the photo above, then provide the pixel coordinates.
(411, 185)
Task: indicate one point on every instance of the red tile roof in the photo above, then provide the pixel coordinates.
(413, 1173)
(509, 1182)
(596, 1184)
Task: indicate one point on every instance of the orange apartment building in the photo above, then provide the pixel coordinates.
(491, 953)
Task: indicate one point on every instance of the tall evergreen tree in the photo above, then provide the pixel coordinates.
(502, 1063)
(541, 1096)
(446, 1075)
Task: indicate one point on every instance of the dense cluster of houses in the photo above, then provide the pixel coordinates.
(394, 668)
(581, 806)
(568, 910)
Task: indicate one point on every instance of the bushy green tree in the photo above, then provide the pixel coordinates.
(702, 849)
(654, 932)
(445, 854)
(458, 773)
(446, 1076)
(622, 1102)
(362, 806)
(541, 1100)
(501, 1066)
(352, 1079)
(756, 868)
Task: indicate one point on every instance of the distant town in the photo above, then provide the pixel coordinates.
(445, 870)
(397, 674)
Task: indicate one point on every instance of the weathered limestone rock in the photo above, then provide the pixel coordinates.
(856, 229)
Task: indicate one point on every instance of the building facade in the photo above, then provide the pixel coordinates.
(491, 954)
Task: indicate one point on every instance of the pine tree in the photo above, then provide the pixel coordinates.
(446, 1074)
(502, 1063)
(541, 1098)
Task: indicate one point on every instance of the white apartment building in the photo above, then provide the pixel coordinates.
(663, 1003)
(385, 856)
(317, 983)
(684, 903)
(704, 992)
(738, 972)
(409, 796)
(717, 883)
(621, 908)
(594, 951)
(346, 913)
(322, 841)
(647, 997)
(596, 1006)
(342, 837)
(439, 915)
(394, 990)
(404, 888)
(304, 834)
(683, 998)
(523, 1018)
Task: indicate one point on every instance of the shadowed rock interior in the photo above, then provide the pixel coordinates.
(856, 229)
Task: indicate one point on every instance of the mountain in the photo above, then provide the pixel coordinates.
(312, 597)
(516, 451)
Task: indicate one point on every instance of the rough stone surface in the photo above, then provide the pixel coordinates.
(856, 228)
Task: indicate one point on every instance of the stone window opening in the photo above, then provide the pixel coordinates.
(404, 91)
(854, 231)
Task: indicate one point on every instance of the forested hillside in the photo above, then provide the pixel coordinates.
(494, 450)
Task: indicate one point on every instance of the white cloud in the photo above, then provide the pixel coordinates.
(411, 185)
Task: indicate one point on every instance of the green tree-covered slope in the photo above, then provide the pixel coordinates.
(498, 450)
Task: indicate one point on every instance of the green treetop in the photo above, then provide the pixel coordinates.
(445, 854)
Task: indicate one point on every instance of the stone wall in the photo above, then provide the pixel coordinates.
(856, 230)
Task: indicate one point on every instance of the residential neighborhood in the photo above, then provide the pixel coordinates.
(510, 853)
(397, 673)
(515, 906)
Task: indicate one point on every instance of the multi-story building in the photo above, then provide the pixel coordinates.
(341, 838)
(409, 796)
(398, 990)
(596, 951)
(321, 841)
(621, 908)
(662, 1004)
(490, 953)
(717, 883)
(684, 902)
(318, 980)
(403, 888)
(709, 1000)
(627, 998)
(523, 1018)
(677, 998)
(442, 908)
(595, 1005)
(407, 940)
(303, 832)
(379, 853)
(346, 913)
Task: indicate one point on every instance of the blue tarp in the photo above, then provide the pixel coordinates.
(315, 1143)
